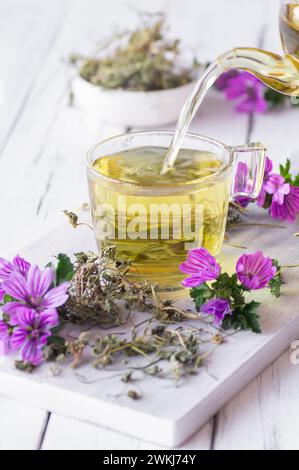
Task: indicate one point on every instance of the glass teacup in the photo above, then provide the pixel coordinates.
(153, 220)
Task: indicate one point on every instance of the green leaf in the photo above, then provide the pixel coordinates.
(273, 98)
(276, 282)
(227, 287)
(64, 269)
(200, 295)
(56, 345)
(24, 366)
(7, 298)
(285, 171)
(244, 318)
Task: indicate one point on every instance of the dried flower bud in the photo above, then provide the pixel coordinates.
(134, 395)
(106, 360)
(127, 377)
(60, 359)
(217, 338)
(72, 218)
(55, 370)
(84, 337)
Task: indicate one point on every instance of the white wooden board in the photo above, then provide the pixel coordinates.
(168, 415)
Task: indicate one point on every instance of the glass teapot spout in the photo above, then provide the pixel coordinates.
(278, 72)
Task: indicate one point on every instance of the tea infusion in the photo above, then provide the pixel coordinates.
(152, 218)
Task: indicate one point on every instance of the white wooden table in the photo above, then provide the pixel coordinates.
(43, 142)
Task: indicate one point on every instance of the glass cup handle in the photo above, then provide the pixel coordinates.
(248, 170)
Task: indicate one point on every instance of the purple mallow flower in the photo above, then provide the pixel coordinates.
(255, 270)
(31, 333)
(7, 268)
(283, 198)
(276, 186)
(219, 308)
(245, 87)
(201, 266)
(6, 335)
(34, 291)
(28, 319)
(289, 208)
(223, 81)
(268, 169)
(242, 184)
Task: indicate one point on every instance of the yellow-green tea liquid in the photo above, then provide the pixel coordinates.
(157, 218)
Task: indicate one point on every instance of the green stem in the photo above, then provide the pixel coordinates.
(140, 352)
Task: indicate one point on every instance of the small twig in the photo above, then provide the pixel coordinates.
(238, 207)
(289, 266)
(233, 245)
(180, 339)
(241, 224)
(194, 316)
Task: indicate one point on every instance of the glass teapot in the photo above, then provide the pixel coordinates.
(279, 72)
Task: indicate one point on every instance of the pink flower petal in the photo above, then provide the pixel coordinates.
(26, 317)
(19, 337)
(55, 297)
(12, 309)
(5, 269)
(20, 264)
(16, 286)
(255, 270)
(48, 319)
(32, 352)
(39, 281)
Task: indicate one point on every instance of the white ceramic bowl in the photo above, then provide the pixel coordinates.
(131, 108)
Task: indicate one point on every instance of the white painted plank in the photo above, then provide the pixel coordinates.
(264, 416)
(28, 32)
(69, 434)
(211, 28)
(21, 425)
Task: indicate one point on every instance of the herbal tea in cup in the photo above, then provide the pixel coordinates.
(154, 219)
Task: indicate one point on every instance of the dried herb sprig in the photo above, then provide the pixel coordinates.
(101, 289)
(159, 350)
(102, 292)
(140, 60)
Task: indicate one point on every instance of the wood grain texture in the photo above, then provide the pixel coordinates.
(21, 425)
(70, 434)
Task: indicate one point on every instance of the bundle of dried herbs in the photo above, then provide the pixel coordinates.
(142, 60)
(100, 290)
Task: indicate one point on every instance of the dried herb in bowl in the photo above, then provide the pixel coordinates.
(141, 60)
